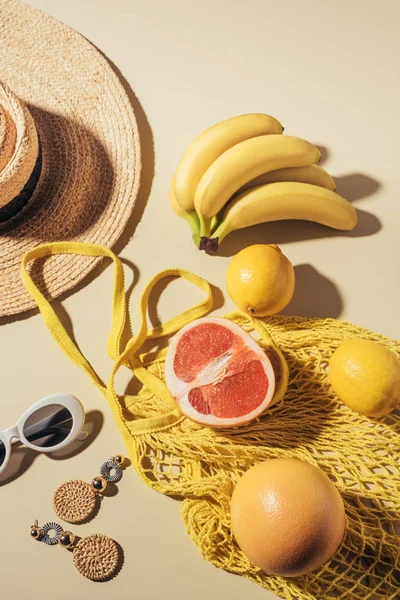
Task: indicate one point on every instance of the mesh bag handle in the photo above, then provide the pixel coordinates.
(128, 355)
(57, 330)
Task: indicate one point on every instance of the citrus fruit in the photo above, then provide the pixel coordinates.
(218, 374)
(287, 516)
(260, 280)
(366, 376)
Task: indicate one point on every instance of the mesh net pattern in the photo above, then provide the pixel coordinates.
(361, 456)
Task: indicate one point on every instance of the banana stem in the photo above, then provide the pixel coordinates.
(212, 243)
(205, 226)
(214, 223)
(193, 221)
(197, 240)
(219, 235)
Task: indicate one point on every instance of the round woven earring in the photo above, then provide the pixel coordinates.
(75, 501)
(95, 556)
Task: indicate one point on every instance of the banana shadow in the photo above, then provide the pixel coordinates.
(315, 295)
(353, 186)
(356, 186)
(324, 151)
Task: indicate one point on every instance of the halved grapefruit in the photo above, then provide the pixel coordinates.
(218, 374)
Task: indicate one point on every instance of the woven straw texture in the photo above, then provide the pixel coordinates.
(19, 145)
(8, 138)
(90, 147)
(96, 557)
(201, 466)
(74, 501)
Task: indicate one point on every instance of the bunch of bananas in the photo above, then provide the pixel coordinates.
(243, 171)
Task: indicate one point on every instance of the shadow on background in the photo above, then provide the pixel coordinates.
(314, 296)
(353, 186)
(356, 186)
(90, 182)
(22, 458)
(324, 153)
(285, 232)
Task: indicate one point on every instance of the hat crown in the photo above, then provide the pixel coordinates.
(19, 145)
(8, 137)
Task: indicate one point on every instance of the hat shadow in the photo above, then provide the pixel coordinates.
(75, 184)
(93, 206)
(74, 158)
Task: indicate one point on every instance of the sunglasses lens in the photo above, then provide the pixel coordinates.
(2, 453)
(48, 426)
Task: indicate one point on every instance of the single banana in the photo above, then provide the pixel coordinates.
(210, 144)
(242, 163)
(310, 174)
(279, 201)
(191, 218)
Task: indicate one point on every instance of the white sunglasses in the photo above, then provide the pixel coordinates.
(49, 425)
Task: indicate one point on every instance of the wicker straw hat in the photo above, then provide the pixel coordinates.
(69, 150)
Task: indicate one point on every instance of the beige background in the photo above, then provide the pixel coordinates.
(327, 71)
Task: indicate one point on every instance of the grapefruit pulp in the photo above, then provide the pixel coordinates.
(218, 374)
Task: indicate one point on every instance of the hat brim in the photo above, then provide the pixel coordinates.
(90, 150)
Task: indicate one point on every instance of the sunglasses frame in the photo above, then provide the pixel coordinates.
(16, 433)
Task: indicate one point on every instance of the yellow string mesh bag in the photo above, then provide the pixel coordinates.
(201, 466)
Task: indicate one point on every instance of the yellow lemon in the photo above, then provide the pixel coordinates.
(366, 376)
(260, 280)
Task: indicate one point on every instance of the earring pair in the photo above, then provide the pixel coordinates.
(96, 556)
(76, 501)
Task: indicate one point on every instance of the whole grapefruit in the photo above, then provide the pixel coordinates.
(287, 516)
